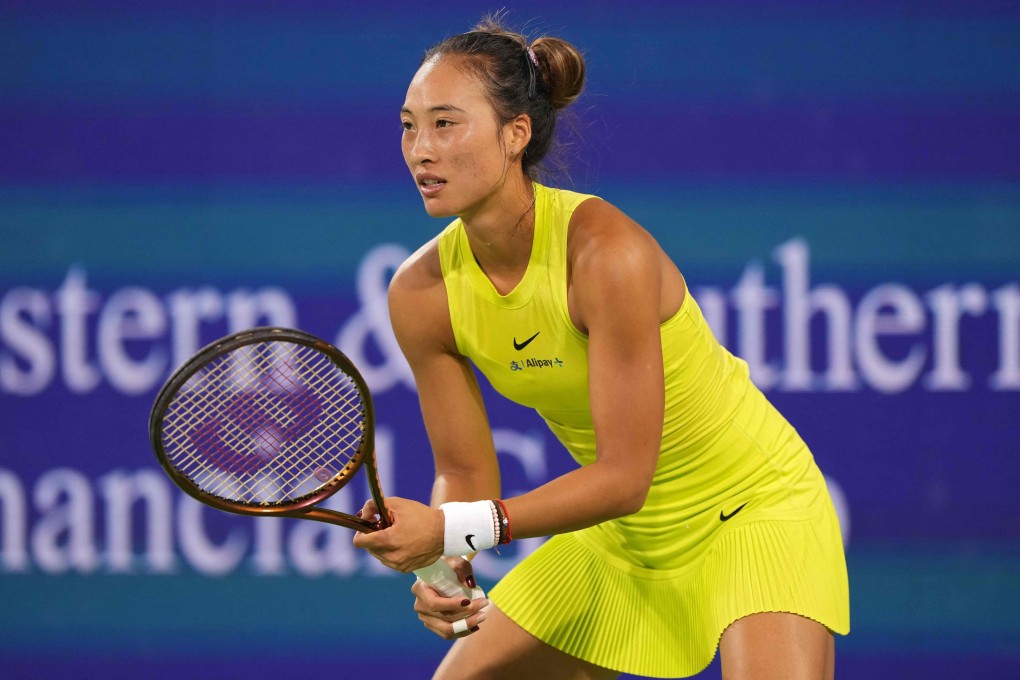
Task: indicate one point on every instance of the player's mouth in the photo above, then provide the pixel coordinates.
(429, 185)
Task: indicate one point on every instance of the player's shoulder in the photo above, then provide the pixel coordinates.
(420, 271)
(419, 312)
(600, 232)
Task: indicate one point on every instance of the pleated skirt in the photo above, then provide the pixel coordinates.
(579, 596)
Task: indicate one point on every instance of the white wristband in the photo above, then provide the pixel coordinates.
(468, 527)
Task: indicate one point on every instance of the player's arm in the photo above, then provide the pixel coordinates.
(452, 408)
(451, 401)
(616, 271)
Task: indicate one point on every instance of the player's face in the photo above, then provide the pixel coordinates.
(452, 142)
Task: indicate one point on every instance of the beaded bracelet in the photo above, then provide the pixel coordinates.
(496, 529)
(504, 536)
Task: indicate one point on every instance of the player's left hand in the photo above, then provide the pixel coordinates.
(413, 540)
(441, 614)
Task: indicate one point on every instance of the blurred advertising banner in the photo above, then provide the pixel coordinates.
(838, 184)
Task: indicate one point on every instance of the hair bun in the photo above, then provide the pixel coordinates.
(561, 68)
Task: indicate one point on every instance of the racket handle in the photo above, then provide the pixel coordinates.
(443, 579)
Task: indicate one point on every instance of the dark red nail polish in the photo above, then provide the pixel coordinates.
(471, 581)
(465, 602)
(475, 629)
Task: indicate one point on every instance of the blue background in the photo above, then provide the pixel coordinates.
(852, 168)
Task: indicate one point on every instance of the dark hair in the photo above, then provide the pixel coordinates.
(538, 79)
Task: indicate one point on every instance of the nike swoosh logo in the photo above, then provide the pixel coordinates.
(467, 539)
(521, 345)
(723, 516)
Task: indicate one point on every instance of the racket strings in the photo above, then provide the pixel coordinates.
(269, 444)
(344, 427)
(266, 424)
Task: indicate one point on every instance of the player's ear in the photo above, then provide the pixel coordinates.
(517, 135)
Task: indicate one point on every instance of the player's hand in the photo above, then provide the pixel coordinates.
(450, 617)
(413, 540)
(369, 511)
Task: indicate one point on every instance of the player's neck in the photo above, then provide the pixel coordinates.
(501, 232)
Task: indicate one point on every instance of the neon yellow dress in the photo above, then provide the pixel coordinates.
(738, 519)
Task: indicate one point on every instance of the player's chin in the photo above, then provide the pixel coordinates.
(438, 208)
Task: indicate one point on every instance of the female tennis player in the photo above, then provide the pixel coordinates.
(697, 518)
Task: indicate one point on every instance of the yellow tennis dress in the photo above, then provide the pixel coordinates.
(738, 519)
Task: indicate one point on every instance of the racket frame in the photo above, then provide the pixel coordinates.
(303, 507)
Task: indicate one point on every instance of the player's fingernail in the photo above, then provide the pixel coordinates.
(465, 602)
(475, 629)
(471, 581)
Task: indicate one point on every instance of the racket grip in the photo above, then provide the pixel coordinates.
(443, 579)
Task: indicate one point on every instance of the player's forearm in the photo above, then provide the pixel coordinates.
(580, 498)
(465, 486)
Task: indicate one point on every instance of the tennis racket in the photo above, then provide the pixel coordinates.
(271, 422)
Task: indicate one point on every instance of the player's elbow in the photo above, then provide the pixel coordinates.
(624, 487)
(629, 494)
(633, 499)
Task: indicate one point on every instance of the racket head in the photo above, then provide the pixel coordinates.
(266, 421)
